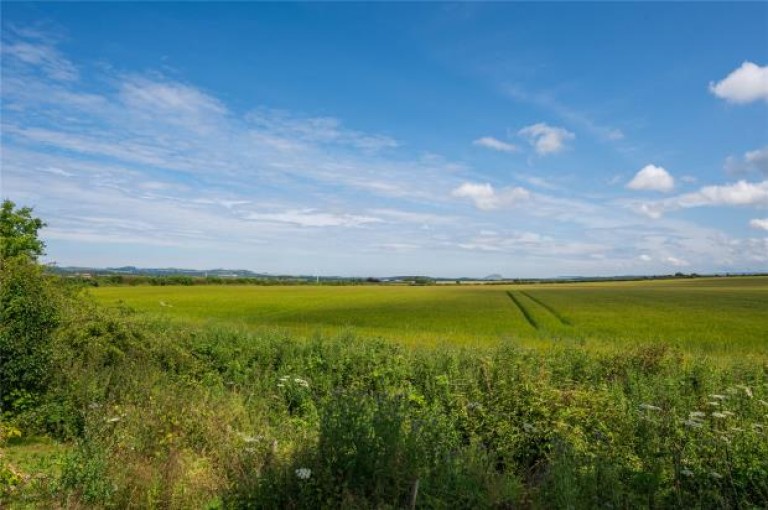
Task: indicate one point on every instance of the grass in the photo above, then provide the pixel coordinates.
(252, 397)
(718, 316)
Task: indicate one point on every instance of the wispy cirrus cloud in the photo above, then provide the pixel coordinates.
(571, 115)
(495, 144)
(36, 50)
(149, 162)
(313, 218)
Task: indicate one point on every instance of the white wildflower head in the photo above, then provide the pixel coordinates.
(718, 397)
(696, 414)
(694, 424)
(649, 407)
(301, 382)
(719, 415)
(303, 473)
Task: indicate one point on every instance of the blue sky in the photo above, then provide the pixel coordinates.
(523, 139)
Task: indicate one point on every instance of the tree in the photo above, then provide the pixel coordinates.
(18, 232)
(28, 309)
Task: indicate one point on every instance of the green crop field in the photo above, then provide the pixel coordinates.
(706, 315)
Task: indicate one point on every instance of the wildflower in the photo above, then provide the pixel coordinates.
(114, 419)
(718, 397)
(693, 424)
(649, 407)
(301, 382)
(303, 473)
(757, 426)
(727, 413)
(714, 404)
(719, 415)
(250, 439)
(747, 391)
(696, 414)
(284, 378)
(686, 472)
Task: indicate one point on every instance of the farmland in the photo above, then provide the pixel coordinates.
(723, 316)
(621, 395)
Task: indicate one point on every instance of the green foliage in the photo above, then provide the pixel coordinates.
(28, 318)
(28, 311)
(18, 232)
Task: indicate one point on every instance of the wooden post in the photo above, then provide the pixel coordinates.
(414, 494)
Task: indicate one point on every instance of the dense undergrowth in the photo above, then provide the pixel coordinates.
(154, 414)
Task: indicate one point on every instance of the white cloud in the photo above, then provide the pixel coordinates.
(652, 178)
(741, 193)
(531, 243)
(645, 257)
(546, 139)
(566, 113)
(315, 130)
(746, 84)
(483, 195)
(756, 160)
(492, 143)
(677, 262)
(174, 172)
(486, 198)
(169, 101)
(42, 56)
(312, 218)
(760, 223)
(653, 210)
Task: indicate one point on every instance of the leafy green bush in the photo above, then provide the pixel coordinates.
(28, 318)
